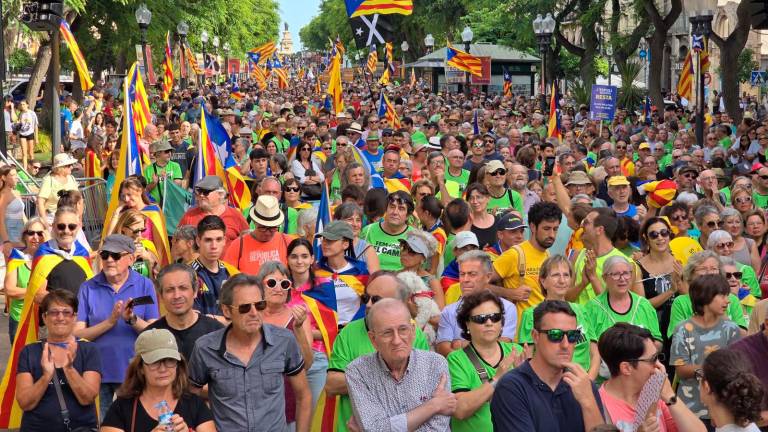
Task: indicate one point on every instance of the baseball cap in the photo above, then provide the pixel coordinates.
(494, 165)
(465, 238)
(337, 230)
(118, 243)
(416, 244)
(210, 183)
(156, 344)
(618, 181)
(510, 221)
(644, 145)
(578, 178)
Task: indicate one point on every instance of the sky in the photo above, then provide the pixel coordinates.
(297, 13)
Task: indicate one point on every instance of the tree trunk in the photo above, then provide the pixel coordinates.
(37, 75)
(656, 44)
(730, 48)
(77, 89)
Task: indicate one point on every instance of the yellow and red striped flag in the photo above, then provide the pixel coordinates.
(167, 68)
(553, 128)
(77, 55)
(193, 61)
(413, 79)
(389, 67)
(369, 7)
(373, 59)
(263, 52)
(463, 61)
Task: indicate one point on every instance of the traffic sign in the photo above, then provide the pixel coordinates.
(758, 78)
(642, 53)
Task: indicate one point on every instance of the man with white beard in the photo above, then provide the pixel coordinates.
(518, 181)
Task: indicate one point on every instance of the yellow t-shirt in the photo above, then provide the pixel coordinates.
(506, 265)
(50, 188)
(683, 247)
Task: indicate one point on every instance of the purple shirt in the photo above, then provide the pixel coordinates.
(755, 348)
(96, 299)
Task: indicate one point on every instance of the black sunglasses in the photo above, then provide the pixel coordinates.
(137, 231)
(365, 298)
(34, 233)
(246, 307)
(652, 359)
(737, 275)
(712, 224)
(285, 284)
(656, 234)
(499, 172)
(292, 189)
(203, 192)
(556, 335)
(114, 255)
(63, 227)
(481, 319)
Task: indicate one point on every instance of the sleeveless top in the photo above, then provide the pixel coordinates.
(654, 286)
(14, 219)
(742, 255)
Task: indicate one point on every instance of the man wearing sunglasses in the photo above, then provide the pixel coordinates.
(109, 294)
(161, 170)
(502, 198)
(247, 365)
(549, 392)
(211, 198)
(210, 269)
(760, 185)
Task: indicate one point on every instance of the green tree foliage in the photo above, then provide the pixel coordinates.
(746, 64)
(20, 59)
(630, 96)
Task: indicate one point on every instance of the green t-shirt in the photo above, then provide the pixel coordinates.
(448, 251)
(749, 278)
(335, 191)
(282, 145)
(589, 293)
(682, 309)
(641, 313)
(580, 352)
(510, 199)
(464, 377)
(455, 189)
(352, 343)
(171, 170)
(17, 305)
(665, 161)
(462, 179)
(761, 201)
(387, 246)
(726, 191)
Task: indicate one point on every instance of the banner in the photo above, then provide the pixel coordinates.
(602, 105)
(485, 79)
(233, 66)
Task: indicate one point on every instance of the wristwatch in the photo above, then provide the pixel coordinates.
(671, 401)
(493, 382)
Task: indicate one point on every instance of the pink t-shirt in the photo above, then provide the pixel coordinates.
(622, 414)
(317, 345)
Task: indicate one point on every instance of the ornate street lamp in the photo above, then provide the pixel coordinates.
(466, 37)
(144, 18)
(544, 28)
(429, 42)
(182, 28)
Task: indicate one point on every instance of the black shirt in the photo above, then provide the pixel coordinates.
(67, 275)
(186, 338)
(190, 407)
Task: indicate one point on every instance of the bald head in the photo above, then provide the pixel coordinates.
(389, 308)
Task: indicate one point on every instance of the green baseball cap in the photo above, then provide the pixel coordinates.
(337, 230)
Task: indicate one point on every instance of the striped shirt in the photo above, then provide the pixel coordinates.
(380, 403)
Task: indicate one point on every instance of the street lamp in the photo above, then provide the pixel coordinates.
(204, 40)
(182, 28)
(701, 26)
(404, 47)
(544, 28)
(466, 37)
(215, 53)
(226, 49)
(143, 18)
(609, 54)
(429, 42)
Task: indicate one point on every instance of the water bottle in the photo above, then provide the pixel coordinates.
(164, 418)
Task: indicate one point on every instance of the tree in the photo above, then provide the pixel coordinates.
(746, 65)
(730, 47)
(661, 26)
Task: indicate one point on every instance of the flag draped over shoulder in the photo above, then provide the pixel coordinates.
(376, 180)
(553, 126)
(167, 68)
(215, 158)
(461, 60)
(77, 55)
(92, 164)
(369, 7)
(46, 259)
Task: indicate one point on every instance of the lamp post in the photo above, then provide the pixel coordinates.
(701, 26)
(609, 54)
(404, 47)
(182, 28)
(429, 42)
(226, 49)
(466, 37)
(544, 28)
(215, 58)
(143, 18)
(204, 40)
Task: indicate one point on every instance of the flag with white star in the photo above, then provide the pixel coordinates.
(370, 30)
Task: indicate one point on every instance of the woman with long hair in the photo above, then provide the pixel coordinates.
(60, 178)
(155, 393)
(110, 170)
(132, 195)
(12, 209)
(304, 168)
(18, 270)
(343, 158)
(132, 223)
(483, 223)
(744, 249)
(352, 214)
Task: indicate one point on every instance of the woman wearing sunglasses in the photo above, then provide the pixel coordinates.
(292, 195)
(705, 332)
(721, 242)
(306, 170)
(734, 276)
(132, 223)
(707, 220)
(273, 278)
(132, 196)
(556, 278)
(155, 394)
(74, 363)
(744, 249)
(18, 269)
(741, 198)
(481, 318)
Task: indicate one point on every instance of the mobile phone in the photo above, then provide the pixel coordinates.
(139, 301)
(549, 166)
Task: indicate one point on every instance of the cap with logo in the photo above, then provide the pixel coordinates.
(156, 344)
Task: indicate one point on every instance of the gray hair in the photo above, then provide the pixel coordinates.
(614, 260)
(407, 163)
(227, 294)
(173, 268)
(185, 232)
(718, 236)
(477, 255)
(578, 197)
(412, 281)
(731, 212)
(696, 260)
(728, 261)
(702, 211)
(690, 199)
(306, 216)
(268, 268)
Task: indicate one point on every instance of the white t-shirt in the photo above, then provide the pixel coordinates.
(733, 428)
(347, 300)
(77, 135)
(28, 121)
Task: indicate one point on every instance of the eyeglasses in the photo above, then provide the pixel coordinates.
(166, 151)
(556, 335)
(34, 233)
(621, 147)
(729, 245)
(478, 145)
(483, 318)
(744, 200)
(137, 231)
(402, 331)
(620, 275)
(107, 254)
(292, 189)
(203, 192)
(712, 224)
(63, 227)
(306, 149)
(688, 175)
(679, 217)
(736, 275)
(168, 363)
(36, 166)
(283, 284)
(764, 177)
(655, 234)
(246, 307)
(652, 359)
(64, 313)
(490, 141)
(365, 298)
(327, 148)
(266, 228)
(499, 172)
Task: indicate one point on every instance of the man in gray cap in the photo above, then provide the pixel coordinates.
(211, 198)
(161, 170)
(109, 294)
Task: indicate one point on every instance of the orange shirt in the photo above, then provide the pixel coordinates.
(248, 254)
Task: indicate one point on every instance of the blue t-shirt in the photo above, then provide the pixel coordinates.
(374, 160)
(46, 416)
(96, 300)
(207, 300)
(631, 212)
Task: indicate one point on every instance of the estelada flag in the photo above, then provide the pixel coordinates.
(46, 259)
(463, 61)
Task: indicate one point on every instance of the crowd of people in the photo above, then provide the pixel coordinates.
(476, 272)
